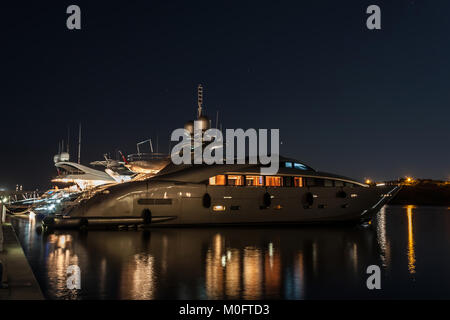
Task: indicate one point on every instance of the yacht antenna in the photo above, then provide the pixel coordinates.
(79, 144)
(68, 139)
(217, 119)
(199, 100)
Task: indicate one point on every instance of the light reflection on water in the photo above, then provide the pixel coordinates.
(411, 250)
(382, 238)
(137, 280)
(245, 263)
(60, 256)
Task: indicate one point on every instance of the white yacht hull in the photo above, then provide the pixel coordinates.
(160, 203)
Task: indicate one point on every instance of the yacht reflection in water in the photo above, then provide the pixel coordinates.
(290, 264)
(208, 263)
(315, 262)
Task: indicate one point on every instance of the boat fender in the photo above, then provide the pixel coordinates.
(206, 200)
(147, 216)
(341, 194)
(309, 198)
(267, 200)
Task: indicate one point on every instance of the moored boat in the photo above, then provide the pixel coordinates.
(229, 194)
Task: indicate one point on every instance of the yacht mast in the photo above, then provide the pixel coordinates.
(68, 139)
(199, 100)
(79, 144)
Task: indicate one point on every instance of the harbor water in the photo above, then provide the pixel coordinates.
(410, 244)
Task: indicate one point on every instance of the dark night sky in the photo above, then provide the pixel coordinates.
(347, 100)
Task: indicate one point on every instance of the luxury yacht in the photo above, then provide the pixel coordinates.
(234, 194)
(229, 194)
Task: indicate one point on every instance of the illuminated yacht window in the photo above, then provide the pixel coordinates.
(328, 183)
(298, 182)
(254, 181)
(288, 164)
(300, 166)
(217, 180)
(274, 181)
(338, 183)
(235, 180)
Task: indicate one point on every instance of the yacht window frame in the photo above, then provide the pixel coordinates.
(235, 185)
(281, 180)
(288, 164)
(340, 182)
(255, 175)
(302, 182)
(288, 181)
(215, 184)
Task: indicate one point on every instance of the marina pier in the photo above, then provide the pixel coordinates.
(17, 278)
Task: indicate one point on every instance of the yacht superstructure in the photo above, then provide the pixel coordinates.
(83, 176)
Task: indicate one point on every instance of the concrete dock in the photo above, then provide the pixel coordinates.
(17, 274)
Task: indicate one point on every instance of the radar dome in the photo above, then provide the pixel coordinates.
(64, 156)
(204, 123)
(189, 126)
(56, 158)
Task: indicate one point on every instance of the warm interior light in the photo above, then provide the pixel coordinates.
(254, 180)
(274, 181)
(298, 182)
(235, 180)
(219, 208)
(368, 181)
(218, 180)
